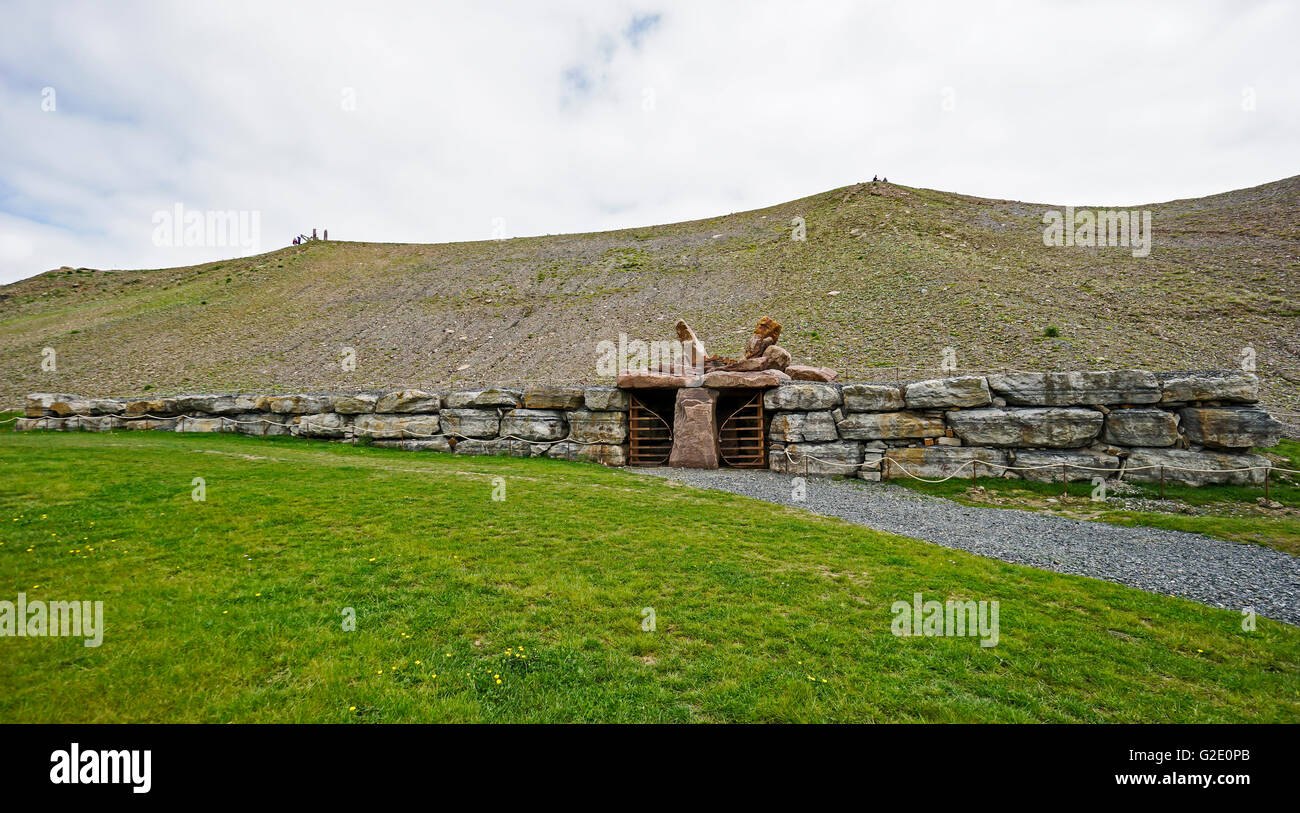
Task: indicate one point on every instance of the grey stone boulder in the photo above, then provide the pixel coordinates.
(802, 396)
(477, 446)
(1051, 427)
(608, 454)
(872, 398)
(1046, 466)
(409, 401)
(155, 424)
(564, 398)
(262, 424)
(890, 426)
(1212, 385)
(586, 426)
(388, 426)
(69, 407)
(158, 407)
(962, 391)
(101, 423)
(534, 424)
(604, 399)
(1079, 388)
(932, 462)
(188, 424)
(840, 457)
(438, 444)
(470, 423)
(1208, 468)
(1230, 428)
(354, 403)
(298, 404)
(320, 425)
(483, 398)
(203, 404)
(795, 427)
(1141, 427)
(37, 404)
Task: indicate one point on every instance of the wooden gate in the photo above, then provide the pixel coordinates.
(651, 436)
(744, 444)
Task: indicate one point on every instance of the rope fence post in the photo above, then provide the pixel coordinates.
(1162, 482)
(1268, 470)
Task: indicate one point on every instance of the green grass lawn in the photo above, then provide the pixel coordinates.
(1226, 512)
(231, 609)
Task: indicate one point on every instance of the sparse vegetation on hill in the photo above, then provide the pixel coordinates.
(887, 278)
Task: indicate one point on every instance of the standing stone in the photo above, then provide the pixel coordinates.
(695, 431)
(765, 335)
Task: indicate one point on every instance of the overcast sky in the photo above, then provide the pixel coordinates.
(430, 122)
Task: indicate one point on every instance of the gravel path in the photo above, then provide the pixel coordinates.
(1212, 571)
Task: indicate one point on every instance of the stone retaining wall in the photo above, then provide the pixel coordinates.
(1127, 420)
(1040, 425)
(574, 423)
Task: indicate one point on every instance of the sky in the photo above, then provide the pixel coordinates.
(123, 123)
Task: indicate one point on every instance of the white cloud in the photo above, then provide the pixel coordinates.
(536, 113)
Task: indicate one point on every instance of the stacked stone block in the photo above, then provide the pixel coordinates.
(574, 423)
(1039, 426)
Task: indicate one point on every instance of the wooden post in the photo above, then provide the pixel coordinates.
(974, 476)
(1162, 482)
(1267, 472)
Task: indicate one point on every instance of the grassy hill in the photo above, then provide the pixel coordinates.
(912, 271)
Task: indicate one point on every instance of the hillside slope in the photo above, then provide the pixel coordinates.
(915, 270)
